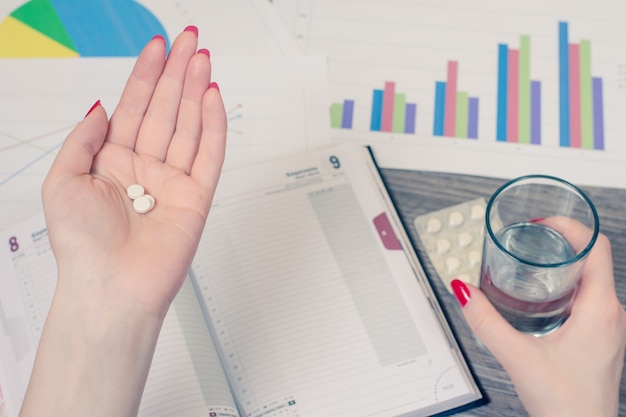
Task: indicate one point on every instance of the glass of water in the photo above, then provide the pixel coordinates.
(531, 261)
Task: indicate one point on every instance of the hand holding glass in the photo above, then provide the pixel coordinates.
(530, 268)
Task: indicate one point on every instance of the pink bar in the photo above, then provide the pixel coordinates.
(512, 105)
(449, 118)
(386, 123)
(574, 96)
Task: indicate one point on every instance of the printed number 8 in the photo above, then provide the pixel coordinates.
(335, 162)
(13, 243)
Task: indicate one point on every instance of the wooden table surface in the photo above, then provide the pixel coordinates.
(416, 193)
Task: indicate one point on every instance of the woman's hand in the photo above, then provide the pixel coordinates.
(576, 370)
(119, 270)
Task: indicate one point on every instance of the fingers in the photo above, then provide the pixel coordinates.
(210, 158)
(80, 147)
(128, 116)
(184, 144)
(503, 341)
(161, 116)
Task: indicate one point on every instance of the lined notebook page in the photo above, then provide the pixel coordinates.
(313, 316)
(183, 357)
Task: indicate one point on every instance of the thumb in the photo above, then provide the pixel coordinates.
(82, 144)
(505, 343)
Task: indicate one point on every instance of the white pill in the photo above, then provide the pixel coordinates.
(474, 257)
(135, 190)
(443, 245)
(453, 264)
(478, 212)
(143, 204)
(152, 200)
(465, 239)
(433, 225)
(455, 219)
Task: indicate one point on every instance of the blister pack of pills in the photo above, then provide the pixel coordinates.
(453, 238)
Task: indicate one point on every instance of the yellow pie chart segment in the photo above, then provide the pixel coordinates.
(28, 42)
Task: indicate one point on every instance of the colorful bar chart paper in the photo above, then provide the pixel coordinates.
(581, 113)
(390, 112)
(456, 113)
(518, 97)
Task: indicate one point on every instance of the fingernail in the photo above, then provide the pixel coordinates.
(205, 52)
(96, 104)
(192, 28)
(214, 85)
(461, 292)
(161, 37)
(537, 219)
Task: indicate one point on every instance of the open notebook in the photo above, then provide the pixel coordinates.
(305, 299)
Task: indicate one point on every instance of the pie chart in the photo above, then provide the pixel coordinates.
(77, 28)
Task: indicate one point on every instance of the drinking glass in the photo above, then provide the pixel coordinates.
(531, 261)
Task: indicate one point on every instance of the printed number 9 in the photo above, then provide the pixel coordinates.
(335, 162)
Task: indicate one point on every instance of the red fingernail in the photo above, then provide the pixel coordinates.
(461, 292)
(96, 104)
(192, 28)
(214, 85)
(161, 37)
(537, 219)
(205, 52)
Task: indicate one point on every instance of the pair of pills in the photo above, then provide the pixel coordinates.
(142, 202)
(453, 238)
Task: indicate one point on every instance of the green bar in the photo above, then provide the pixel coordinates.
(524, 90)
(399, 113)
(586, 100)
(336, 113)
(462, 108)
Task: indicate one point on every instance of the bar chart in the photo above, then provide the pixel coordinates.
(456, 113)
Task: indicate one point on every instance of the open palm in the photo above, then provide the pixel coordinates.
(167, 134)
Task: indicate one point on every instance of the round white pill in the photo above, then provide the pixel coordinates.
(135, 190)
(474, 257)
(455, 219)
(465, 239)
(453, 264)
(433, 225)
(443, 245)
(142, 204)
(477, 212)
(152, 200)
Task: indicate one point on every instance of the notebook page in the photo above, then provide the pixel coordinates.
(184, 356)
(313, 314)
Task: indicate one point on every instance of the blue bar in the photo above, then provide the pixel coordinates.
(440, 107)
(377, 110)
(503, 81)
(472, 118)
(564, 84)
(348, 114)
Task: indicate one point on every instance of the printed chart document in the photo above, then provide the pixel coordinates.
(305, 298)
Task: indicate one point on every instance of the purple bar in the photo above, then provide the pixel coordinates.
(598, 114)
(472, 118)
(535, 112)
(348, 113)
(409, 118)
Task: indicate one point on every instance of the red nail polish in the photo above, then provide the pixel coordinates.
(205, 52)
(214, 85)
(461, 292)
(537, 219)
(192, 28)
(161, 37)
(96, 104)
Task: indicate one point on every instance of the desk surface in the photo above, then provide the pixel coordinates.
(416, 193)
